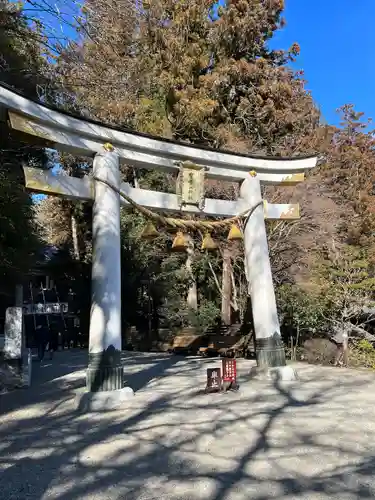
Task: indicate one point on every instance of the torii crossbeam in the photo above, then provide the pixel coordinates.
(66, 132)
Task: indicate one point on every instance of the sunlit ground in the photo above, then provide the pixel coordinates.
(311, 439)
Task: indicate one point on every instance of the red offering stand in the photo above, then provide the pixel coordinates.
(229, 371)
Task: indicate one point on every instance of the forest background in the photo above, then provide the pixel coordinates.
(207, 74)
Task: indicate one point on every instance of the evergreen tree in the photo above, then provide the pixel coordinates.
(185, 70)
(176, 69)
(21, 67)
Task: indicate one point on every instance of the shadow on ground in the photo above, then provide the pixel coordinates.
(311, 439)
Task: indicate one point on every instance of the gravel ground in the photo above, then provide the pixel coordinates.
(309, 439)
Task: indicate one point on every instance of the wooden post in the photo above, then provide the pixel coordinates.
(105, 371)
(74, 229)
(269, 348)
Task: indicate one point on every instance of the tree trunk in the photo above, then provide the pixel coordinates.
(226, 289)
(234, 301)
(192, 297)
(74, 229)
(345, 357)
(341, 339)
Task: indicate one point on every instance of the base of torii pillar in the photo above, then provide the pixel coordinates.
(269, 348)
(105, 375)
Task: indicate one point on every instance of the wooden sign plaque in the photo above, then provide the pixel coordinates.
(214, 381)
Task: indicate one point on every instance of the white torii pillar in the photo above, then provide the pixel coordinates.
(268, 343)
(105, 372)
(85, 138)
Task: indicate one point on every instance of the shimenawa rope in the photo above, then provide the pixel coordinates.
(181, 223)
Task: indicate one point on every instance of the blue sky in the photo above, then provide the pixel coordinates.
(336, 39)
(337, 51)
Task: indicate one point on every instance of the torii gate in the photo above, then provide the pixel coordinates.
(109, 146)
